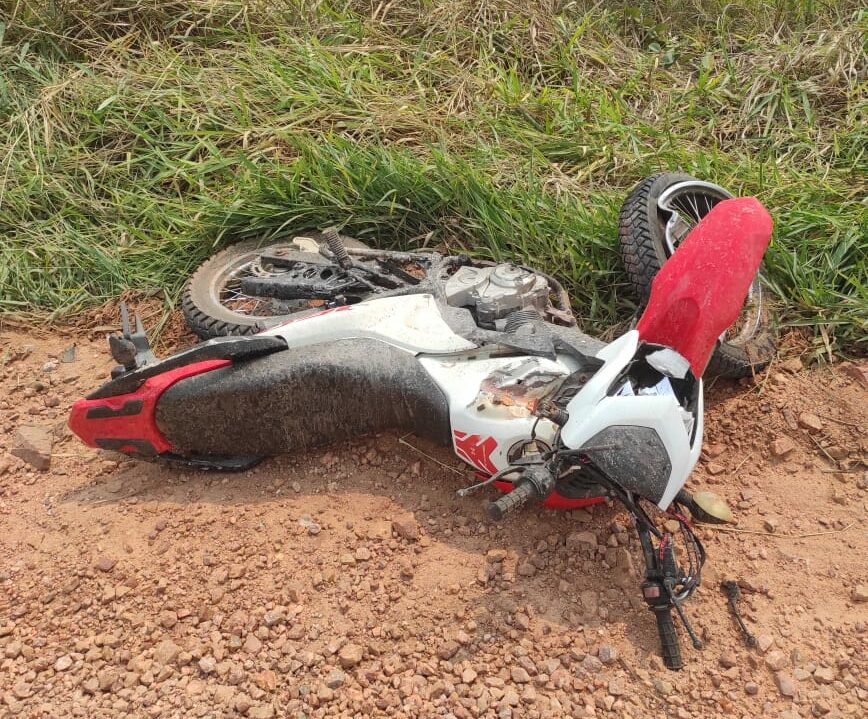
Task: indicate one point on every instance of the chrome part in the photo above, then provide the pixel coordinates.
(687, 203)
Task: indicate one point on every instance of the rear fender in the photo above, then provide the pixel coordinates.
(127, 422)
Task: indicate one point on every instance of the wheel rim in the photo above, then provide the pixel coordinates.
(679, 208)
(225, 290)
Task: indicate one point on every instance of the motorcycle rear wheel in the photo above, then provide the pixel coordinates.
(647, 240)
(213, 303)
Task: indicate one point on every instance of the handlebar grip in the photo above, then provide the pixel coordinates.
(668, 639)
(511, 501)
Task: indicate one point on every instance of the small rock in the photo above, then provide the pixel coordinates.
(262, 711)
(838, 497)
(616, 687)
(751, 688)
(106, 678)
(335, 679)
(207, 664)
(166, 652)
(607, 654)
(525, 569)
(715, 450)
(764, 642)
(21, 690)
(266, 680)
(824, 675)
(90, 685)
(519, 675)
(836, 451)
(495, 556)
(859, 593)
(347, 559)
(406, 527)
(273, 617)
(104, 563)
(448, 650)
(33, 444)
(714, 468)
(728, 660)
(810, 422)
(13, 650)
(350, 655)
(294, 591)
(662, 687)
(63, 663)
(800, 674)
(468, 676)
(782, 446)
(786, 685)
(168, 618)
(581, 540)
(591, 664)
(252, 645)
(771, 524)
(776, 660)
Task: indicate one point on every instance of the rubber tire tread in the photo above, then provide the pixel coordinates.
(643, 254)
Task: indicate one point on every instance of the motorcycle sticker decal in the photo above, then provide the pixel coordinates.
(476, 450)
(330, 310)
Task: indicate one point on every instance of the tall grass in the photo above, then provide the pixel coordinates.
(138, 136)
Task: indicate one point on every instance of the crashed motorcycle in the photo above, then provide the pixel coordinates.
(483, 357)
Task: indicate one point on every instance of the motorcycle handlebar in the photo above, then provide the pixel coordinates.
(668, 639)
(518, 497)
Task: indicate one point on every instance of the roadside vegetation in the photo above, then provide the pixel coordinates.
(138, 136)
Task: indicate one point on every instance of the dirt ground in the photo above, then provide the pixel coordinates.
(352, 581)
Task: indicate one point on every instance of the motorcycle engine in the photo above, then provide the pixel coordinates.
(492, 293)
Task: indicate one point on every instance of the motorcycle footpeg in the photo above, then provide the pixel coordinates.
(131, 350)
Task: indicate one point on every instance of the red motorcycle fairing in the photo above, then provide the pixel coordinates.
(127, 422)
(701, 289)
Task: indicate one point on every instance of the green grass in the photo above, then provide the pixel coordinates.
(137, 136)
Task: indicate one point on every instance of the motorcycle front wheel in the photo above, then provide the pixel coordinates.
(213, 303)
(657, 215)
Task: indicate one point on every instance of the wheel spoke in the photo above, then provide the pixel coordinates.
(231, 296)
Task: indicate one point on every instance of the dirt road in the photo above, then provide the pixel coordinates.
(353, 582)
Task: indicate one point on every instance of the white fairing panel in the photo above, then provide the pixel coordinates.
(411, 322)
(592, 411)
(483, 433)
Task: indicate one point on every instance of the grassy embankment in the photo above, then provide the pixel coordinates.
(135, 140)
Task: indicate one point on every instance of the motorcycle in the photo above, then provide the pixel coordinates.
(480, 356)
